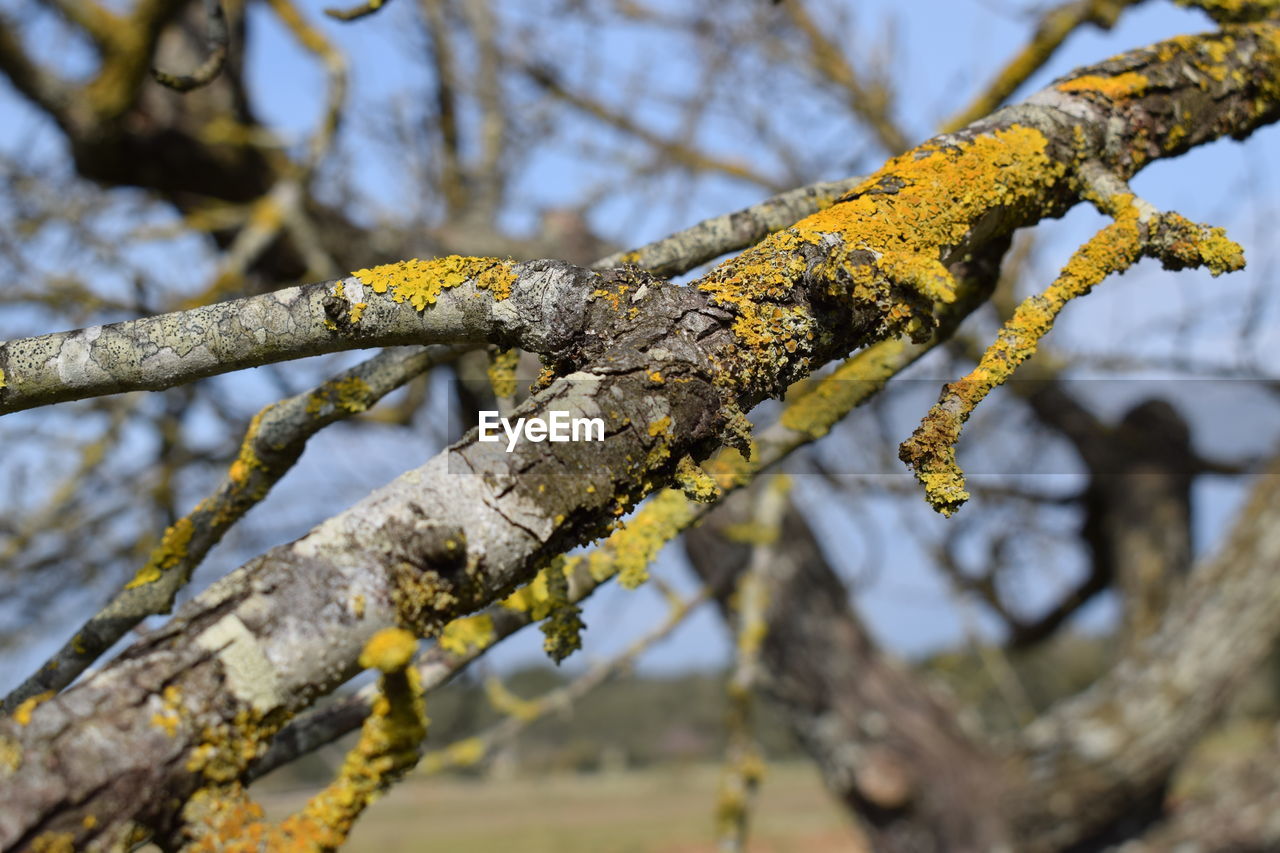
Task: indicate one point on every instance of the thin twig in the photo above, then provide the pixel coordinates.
(743, 764)
(353, 13)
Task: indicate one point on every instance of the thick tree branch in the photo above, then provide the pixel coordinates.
(663, 517)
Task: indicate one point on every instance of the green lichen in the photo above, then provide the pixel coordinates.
(696, 484)
(562, 629)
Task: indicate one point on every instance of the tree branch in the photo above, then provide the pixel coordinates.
(274, 442)
(668, 369)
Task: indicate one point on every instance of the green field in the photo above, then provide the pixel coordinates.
(668, 809)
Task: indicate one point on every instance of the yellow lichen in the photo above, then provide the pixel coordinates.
(389, 650)
(750, 533)
(820, 406)
(628, 552)
(1126, 85)
(350, 394)
(53, 842)
(10, 756)
(881, 247)
(506, 702)
(660, 426)
(388, 745)
(225, 748)
(168, 717)
(171, 551)
(532, 598)
(467, 633)
(463, 753)
(167, 722)
(420, 282)
(1229, 11)
(931, 449)
(223, 817)
(247, 459)
(2, 383)
(562, 629)
(22, 714)
(502, 373)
